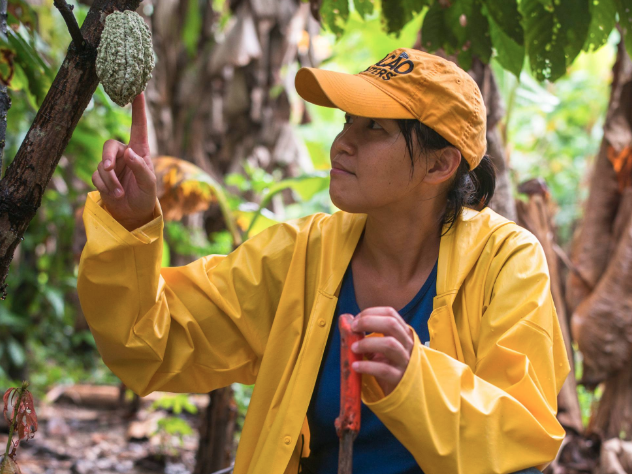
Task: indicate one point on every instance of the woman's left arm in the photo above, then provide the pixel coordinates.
(498, 418)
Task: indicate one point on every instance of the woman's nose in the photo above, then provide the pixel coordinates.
(345, 142)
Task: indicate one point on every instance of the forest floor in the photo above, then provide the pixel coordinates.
(78, 439)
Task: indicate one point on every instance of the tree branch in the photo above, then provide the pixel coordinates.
(5, 100)
(25, 181)
(71, 22)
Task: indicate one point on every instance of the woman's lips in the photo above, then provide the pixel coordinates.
(338, 171)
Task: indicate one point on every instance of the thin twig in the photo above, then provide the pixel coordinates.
(569, 264)
(71, 22)
(225, 471)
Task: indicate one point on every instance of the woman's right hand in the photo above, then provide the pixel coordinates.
(125, 176)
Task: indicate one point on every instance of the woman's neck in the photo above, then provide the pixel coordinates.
(399, 245)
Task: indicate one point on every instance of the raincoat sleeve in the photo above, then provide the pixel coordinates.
(501, 416)
(193, 328)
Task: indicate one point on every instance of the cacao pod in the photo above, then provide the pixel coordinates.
(125, 57)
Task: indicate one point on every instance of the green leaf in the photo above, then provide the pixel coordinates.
(602, 21)
(56, 300)
(305, 186)
(192, 27)
(19, 81)
(15, 323)
(23, 47)
(575, 18)
(554, 38)
(395, 14)
(478, 32)
(21, 12)
(461, 29)
(334, 15)
(16, 352)
(509, 54)
(507, 17)
(433, 31)
(543, 45)
(255, 221)
(166, 255)
(363, 7)
(624, 8)
(32, 65)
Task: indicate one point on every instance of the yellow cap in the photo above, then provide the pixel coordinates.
(411, 84)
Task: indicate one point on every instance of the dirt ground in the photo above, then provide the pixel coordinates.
(105, 439)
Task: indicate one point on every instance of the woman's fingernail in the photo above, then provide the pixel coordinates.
(355, 365)
(118, 192)
(354, 325)
(106, 163)
(354, 346)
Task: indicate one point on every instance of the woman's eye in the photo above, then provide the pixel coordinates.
(373, 122)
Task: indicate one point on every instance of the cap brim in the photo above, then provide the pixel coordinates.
(348, 92)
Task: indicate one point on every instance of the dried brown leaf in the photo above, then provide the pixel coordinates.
(9, 466)
(183, 188)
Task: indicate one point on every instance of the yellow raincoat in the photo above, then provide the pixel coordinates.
(482, 399)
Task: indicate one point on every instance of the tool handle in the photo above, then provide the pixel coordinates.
(350, 380)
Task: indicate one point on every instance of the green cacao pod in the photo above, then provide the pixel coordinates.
(125, 57)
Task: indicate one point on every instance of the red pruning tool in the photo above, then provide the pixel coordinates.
(348, 423)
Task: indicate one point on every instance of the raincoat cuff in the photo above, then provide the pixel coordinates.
(146, 234)
(372, 394)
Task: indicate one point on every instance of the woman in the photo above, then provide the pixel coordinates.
(462, 382)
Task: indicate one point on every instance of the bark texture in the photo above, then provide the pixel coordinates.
(5, 100)
(613, 418)
(602, 319)
(594, 241)
(217, 433)
(26, 179)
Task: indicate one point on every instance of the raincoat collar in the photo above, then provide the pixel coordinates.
(459, 249)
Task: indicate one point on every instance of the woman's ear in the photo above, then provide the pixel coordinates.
(443, 165)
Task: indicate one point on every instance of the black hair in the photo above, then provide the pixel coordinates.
(470, 188)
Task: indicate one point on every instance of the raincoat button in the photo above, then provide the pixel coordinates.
(287, 440)
(321, 323)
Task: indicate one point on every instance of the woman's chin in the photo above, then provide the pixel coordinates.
(344, 203)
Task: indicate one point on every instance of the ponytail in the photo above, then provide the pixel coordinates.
(473, 189)
(470, 188)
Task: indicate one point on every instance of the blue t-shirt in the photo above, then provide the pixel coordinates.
(375, 450)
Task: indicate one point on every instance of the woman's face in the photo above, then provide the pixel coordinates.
(378, 166)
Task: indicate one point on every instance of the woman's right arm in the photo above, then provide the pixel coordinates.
(184, 329)
(193, 328)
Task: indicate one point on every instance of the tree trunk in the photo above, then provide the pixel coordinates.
(217, 431)
(5, 101)
(601, 289)
(613, 418)
(26, 179)
(593, 243)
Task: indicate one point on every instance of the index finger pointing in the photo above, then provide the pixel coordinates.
(139, 142)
